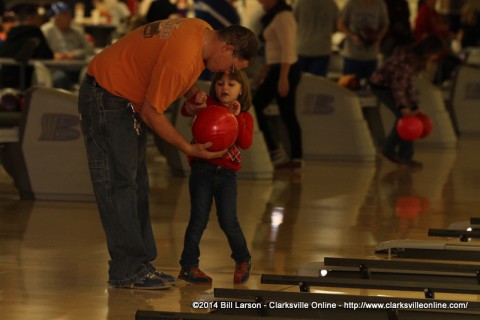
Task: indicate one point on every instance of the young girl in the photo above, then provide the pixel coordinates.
(392, 84)
(216, 179)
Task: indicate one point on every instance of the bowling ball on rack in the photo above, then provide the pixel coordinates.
(409, 128)
(427, 124)
(215, 124)
(349, 81)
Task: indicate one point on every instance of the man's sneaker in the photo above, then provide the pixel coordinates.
(150, 282)
(242, 272)
(168, 279)
(195, 276)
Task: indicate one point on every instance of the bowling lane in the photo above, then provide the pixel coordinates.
(53, 255)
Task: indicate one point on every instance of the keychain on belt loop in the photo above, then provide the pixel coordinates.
(136, 120)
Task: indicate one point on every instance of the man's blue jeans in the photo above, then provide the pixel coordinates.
(116, 159)
(208, 182)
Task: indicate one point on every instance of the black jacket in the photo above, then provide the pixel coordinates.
(16, 38)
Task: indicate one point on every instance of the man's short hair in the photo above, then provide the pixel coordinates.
(243, 39)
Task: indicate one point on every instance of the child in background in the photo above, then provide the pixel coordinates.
(392, 84)
(216, 179)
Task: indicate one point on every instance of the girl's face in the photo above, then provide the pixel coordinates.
(227, 90)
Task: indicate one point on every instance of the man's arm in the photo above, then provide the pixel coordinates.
(165, 130)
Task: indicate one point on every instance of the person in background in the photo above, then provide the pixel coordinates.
(470, 24)
(28, 27)
(68, 42)
(161, 9)
(120, 15)
(392, 84)
(364, 23)
(278, 80)
(219, 14)
(451, 10)
(216, 179)
(430, 22)
(399, 30)
(118, 99)
(317, 21)
(9, 19)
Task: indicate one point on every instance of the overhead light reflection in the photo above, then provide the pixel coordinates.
(277, 216)
(276, 220)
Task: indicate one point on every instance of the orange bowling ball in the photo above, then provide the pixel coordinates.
(410, 128)
(215, 124)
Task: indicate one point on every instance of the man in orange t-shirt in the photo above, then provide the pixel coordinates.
(128, 86)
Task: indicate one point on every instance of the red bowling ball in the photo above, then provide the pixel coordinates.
(215, 124)
(427, 124)
(409, 128)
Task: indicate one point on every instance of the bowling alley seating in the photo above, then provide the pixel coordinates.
(466, 98)
(49, 161)
(42, 76)
(23, 56)
(473, 56)
(332, 122)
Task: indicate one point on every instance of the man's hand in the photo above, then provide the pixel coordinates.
(165, 130)
(196, 103)
(200, 151)
(200, 98)
(283, 87)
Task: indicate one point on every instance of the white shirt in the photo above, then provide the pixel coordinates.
(280, 39)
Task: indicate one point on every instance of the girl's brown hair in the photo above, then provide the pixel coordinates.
(245, 98)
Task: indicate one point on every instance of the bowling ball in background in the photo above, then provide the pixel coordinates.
(11, 100)
(215, 124)
(409, 128)
(349, 81)
(427, 124)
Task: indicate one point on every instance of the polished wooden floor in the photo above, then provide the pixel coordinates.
(53, 257)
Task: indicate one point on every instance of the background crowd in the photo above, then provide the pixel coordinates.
(296, 36)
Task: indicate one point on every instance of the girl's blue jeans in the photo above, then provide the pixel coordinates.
(207, 183)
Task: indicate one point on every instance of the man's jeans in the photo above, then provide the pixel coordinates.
(208, 182)
(116, 159)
